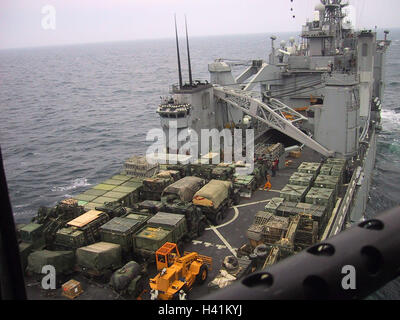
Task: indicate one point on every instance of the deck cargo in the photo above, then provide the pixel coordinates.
(273, 205)
(62, 261)
(310, 167)
(301, 179)
(294, 193)
(120, 231)
(98, 258)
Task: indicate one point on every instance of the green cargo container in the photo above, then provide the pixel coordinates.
(120, 231)
(162, 227)
(98, 258)
(301, 179)
(105, 187)
(118, 196)
(273, 204)
(321, 196)
(82, 203)
(95, 192)
(294, 193)
(33, 233)
(62, 261)
(70, 238)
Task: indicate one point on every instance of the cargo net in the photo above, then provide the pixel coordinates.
(269, 152)
(137, 166)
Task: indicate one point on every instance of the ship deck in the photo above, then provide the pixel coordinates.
(216, 242)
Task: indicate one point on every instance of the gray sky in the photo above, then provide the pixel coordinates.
(83, 21)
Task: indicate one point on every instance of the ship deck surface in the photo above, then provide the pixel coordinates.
(216, 242)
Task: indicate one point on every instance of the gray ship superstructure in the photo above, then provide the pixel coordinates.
(325, 92)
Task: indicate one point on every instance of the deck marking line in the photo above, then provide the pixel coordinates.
(223, 240)
(228, 222)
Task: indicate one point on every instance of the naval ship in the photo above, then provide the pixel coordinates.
(320, 97)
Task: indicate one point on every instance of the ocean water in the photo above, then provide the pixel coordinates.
(70, 116)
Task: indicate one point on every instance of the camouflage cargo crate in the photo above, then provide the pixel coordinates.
(326, 169)
(70, 238)
(63, 261)
(287, 209)
(310, 167)
(120, 231)
(327, 182)
(301, 179)
(321, 196)
(99, 257)
(336, 161)
(156, 184)
(294, 193)
(138, 216)
(273, 205)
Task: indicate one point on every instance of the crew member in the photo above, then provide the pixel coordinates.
(268, 185)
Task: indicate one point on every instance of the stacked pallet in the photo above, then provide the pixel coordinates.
(294, 193)
(273, 205)
(269, 152)
(310, 167)
(321, 196)
(307, 232)
(301, 179)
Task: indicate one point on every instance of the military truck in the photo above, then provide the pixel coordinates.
(215, 198)
(99, 260)
(177, 198)
(223, 172)
(120, 230)
(53, 219)
(81, 231)
(162, 227)
(150, 206)
(154, 186)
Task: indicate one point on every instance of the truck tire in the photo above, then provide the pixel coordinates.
(202, 276)
(218, 219)
(200, 229)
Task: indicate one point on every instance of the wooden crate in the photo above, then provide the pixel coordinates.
(72, 289)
